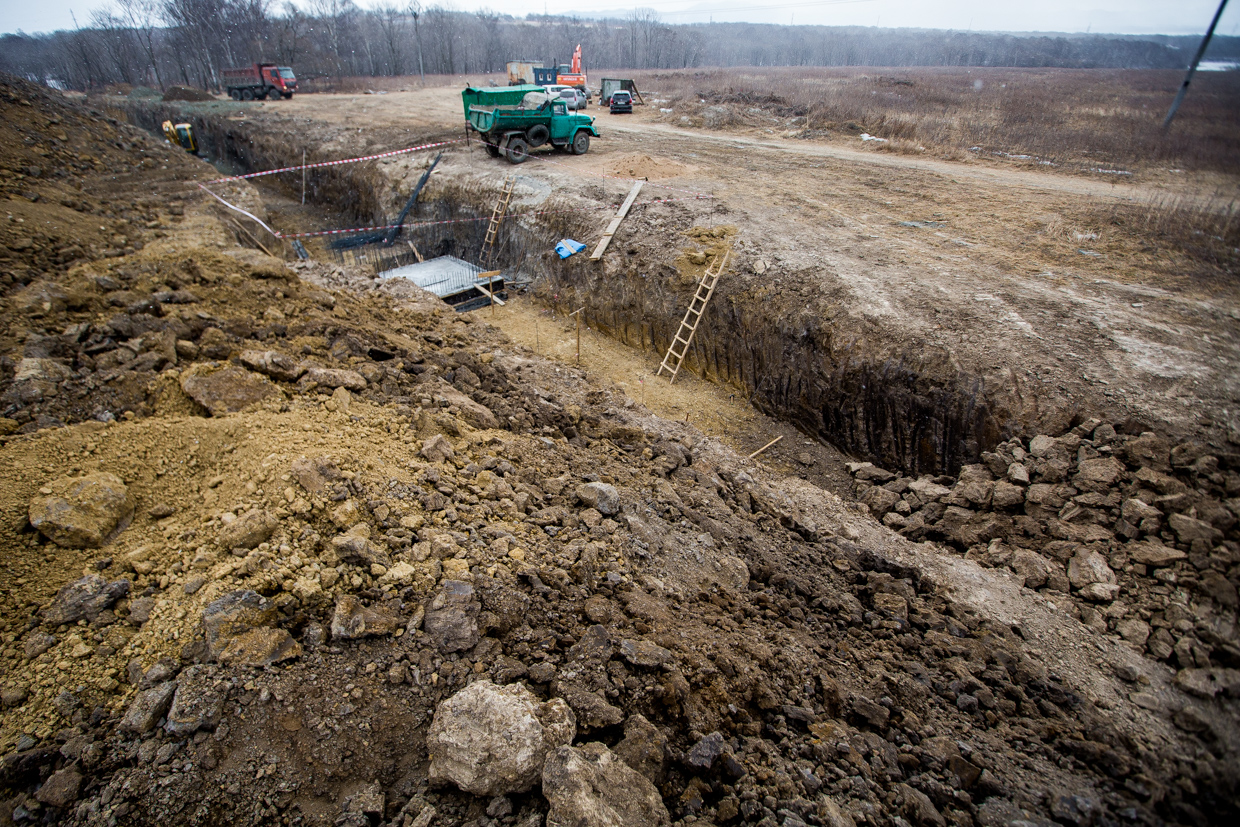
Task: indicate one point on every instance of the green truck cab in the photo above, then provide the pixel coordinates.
(512, 120)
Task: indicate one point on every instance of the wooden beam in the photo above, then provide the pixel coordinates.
(487, 293)
(764, 447)
(615, 222)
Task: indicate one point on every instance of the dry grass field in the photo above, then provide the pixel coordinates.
(1074, 118)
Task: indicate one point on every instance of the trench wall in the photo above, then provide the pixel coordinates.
(916, 411)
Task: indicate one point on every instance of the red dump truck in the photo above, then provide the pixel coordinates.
(262, 80)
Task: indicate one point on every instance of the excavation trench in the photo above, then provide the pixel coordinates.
(835, 378)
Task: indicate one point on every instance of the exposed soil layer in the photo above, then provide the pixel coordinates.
(260, 519)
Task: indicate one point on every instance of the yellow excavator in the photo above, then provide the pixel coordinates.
(181, 135)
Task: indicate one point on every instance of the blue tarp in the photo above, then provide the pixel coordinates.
(567, 247)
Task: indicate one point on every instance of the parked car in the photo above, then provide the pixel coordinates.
(575, 97)
(621, 102)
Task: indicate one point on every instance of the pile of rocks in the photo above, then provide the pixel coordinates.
(1143, 533)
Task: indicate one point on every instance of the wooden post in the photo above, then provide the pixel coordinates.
(764, 447)
(303, 178)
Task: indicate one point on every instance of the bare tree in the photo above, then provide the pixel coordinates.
(337, 18)
(492, 43)
(200, 25)
(142, 15)
(392, 25)
(290, 34)
(118, 43)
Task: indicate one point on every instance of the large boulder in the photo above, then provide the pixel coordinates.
(273, 363)
(315, 473)
(147, 708)
(1098, 474)
(600, 496)
(82, 512)
(198, 702)
(451, 620)
(592, 785)
(1032, 566)
(880, 501)
(1154, 554)
(35, 380)
(1188, 530)
(335, 378)
(1090, 575)
(240, 628)
(493, 740)
(474, 413)
(352, 620)
(644, 748)
(223, 390)
(84, 599)
(248, 530)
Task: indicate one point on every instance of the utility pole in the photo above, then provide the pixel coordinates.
(1192, 68)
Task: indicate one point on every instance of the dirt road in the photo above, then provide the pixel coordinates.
(1112, 184)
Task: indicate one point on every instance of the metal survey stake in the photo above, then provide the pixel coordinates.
(577, 313)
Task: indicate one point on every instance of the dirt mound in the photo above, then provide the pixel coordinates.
(643, 166)
(187, 93)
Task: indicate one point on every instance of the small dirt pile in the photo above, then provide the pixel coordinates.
(284, 544)
(643, 166)
(186, 93)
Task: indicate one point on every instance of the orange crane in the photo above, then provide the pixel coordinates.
(574, 76)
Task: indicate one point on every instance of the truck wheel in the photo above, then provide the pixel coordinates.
(235, 94)
(538, 134)
(273, 94)
(518, 150)
(492, 144)
(247, 94)
(581, 143)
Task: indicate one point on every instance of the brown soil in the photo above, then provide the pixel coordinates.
(856, 676)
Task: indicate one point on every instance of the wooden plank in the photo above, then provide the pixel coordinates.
(487, 293)
(615, 222)
(764, 447)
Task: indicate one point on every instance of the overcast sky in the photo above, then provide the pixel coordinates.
(1127, 17)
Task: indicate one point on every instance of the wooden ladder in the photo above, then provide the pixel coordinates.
(689, 324)
(497, 215)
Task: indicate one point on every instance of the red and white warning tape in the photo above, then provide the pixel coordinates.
(692, 195)
(335, 163)
(419, 224)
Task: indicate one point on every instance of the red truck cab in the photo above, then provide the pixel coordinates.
(262, 80)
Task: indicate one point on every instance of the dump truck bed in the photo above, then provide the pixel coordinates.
(490, 96)
(496, 118)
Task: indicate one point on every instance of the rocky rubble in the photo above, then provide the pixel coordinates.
(1143, 534)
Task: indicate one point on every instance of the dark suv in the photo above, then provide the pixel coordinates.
(621, 102)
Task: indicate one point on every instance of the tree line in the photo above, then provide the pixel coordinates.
(159, 43)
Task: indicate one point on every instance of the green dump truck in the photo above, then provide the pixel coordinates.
(512, 120)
